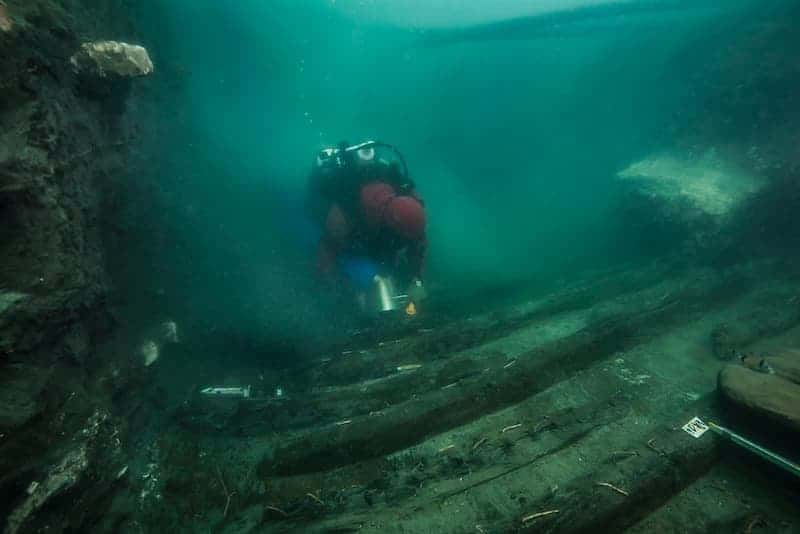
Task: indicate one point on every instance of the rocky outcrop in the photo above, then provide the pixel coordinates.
(105, 68)
(110, 59)
(747, 86)
(57, 149)
(684, 196)
(731, 156)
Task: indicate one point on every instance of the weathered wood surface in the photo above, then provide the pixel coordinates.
(764, 394)
(501, 429)
(407, 423)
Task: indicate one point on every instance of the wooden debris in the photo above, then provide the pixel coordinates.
(316, 450)
(408, 367)
(624, 454)
(537, 515)
(448, 448)
(448, 386)
(228, 495)
(276, 509)
(756, 521)
(651, 444)
(511, 427)
(345, 422)
(509, 364)
(545, 423)
(613, 487)
(317, 499)
(479, 443)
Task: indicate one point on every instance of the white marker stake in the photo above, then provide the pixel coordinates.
(695, 427)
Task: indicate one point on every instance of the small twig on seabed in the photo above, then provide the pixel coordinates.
(537, 515)
(613, 487)
(757, 521)
(228, 495)
(276, 509)
(479, 443)
(309, 494)
(624, 454)
(511, 427)
(651, 444)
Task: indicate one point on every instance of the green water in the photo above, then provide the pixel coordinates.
(514, 144)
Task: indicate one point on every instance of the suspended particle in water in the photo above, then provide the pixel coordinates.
(149, 351)
(169, 331)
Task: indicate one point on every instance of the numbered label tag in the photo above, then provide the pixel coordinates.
(695, 427)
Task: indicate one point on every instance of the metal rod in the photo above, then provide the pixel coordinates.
(768, 455)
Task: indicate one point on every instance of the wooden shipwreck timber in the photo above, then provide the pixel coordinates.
(563, 414)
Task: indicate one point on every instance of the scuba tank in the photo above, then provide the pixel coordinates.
(337, 161)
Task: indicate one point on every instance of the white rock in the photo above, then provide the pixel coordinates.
(708, 183)
(6, 24)
(111, 59)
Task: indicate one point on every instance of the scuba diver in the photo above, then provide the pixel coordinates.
(373, 224)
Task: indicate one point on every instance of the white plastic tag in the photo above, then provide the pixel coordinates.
(695, 427)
